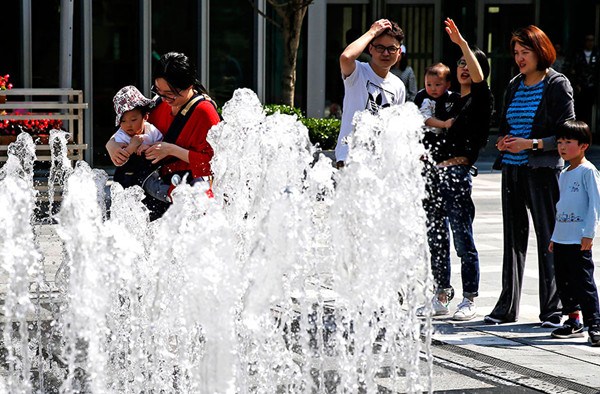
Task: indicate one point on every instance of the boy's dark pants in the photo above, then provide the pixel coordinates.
(574, 270)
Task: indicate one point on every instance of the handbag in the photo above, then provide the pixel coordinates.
(156, 187)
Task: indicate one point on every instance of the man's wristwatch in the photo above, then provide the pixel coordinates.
(535, 144)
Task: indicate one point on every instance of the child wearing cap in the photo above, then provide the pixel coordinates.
(132, 108)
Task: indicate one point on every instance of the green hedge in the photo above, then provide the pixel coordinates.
(323, 131)
(320, 131)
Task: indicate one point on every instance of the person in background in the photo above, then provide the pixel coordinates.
(577, 217)
(370, 85)
(560, 64)
(586, 67)
(536, 103)
(449, 202)
(406, 75)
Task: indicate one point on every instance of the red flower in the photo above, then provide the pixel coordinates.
(4, 85)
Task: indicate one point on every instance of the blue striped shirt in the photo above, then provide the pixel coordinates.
(519, 116)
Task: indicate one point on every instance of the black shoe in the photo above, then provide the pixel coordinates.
(552, 322)
(570, 329)
(490, 319)
(594, 334)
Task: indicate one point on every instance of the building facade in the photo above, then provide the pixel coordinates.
(115, 43)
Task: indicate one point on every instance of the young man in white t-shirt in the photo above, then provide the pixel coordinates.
(369, 85)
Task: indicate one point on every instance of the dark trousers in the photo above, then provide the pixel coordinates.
(449, 206)
(537, 190)
(574, 270)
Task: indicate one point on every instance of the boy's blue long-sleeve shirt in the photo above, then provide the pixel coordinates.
(578, 209)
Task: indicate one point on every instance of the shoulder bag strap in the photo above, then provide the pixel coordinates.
(181, 119)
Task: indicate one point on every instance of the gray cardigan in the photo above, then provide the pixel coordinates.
(556, 107)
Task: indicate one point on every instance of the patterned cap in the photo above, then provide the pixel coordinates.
(126, 99)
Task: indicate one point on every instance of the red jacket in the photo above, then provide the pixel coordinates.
(192, 137)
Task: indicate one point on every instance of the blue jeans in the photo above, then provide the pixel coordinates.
(449, 206)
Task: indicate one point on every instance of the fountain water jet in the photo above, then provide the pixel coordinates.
(286, 281)
(19, 261)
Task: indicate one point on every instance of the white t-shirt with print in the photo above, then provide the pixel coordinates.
(365, 90)
(151, 135)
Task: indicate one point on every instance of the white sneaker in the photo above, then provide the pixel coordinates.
(466, 310)
(438, 308)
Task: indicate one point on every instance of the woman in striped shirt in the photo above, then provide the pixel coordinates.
(536, 102)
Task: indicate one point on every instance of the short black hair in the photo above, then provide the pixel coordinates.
(575, 130)
(144, 109)
(179, 72)
(395, 32)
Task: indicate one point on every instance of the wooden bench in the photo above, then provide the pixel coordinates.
(64, 104)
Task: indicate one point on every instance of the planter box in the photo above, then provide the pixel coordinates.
(63, 104)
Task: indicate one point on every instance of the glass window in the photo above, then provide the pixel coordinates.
(11, 62)
(274, 66)
(231, 48)
(116, 64)
(175, 29)
(273, 62)
(345, 23)
(499, 23)
(45, 32)
(416, 21)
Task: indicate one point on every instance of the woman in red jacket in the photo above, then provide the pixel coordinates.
(184, 114)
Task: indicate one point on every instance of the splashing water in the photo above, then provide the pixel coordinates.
(19, 262)
(287, 281)
(60, 166)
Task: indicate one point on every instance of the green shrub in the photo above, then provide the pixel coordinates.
(323, 131)
(270, 109)
(320, 131)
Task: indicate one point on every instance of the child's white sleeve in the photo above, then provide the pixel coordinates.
(592, 218)
(121, 137)
(427, 108)
(152, 134)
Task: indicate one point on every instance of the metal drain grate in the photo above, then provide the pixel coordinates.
(514, 368)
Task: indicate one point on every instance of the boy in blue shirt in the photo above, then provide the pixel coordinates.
(577, 217)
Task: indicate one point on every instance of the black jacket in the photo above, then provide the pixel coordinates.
(470, 130)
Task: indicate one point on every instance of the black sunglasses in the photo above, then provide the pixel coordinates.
(154, 90)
